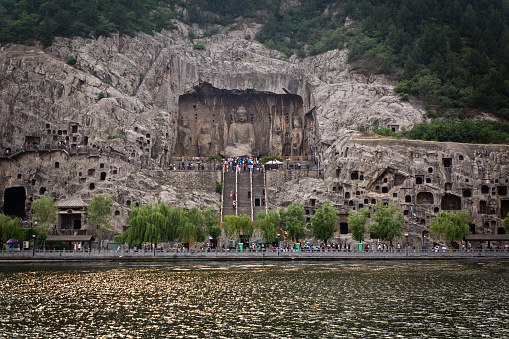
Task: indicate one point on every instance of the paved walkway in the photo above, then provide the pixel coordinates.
(121, 255)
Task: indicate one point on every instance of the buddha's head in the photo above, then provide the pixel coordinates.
(241, 114)
(296, 122)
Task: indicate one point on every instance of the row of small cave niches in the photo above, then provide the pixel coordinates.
(72, 126)
(466, 192)
(90, 173)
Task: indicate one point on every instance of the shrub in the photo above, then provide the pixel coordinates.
(219, 187)
(101, 96)
(72, 61)
(386, 132)
(199, 46)
(214, 157)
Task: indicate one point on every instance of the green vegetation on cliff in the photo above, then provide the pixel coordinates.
(452, 54)
(468, 131)
(22, 21)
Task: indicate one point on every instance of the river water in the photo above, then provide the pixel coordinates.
(427, 299)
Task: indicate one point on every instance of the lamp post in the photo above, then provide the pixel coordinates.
(33, 246)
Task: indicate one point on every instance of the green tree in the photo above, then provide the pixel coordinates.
(45, 211)
(324, 222)
(268, 224)
(293, 221)
(212, 219)
(389, 222)
(451, 226)
(138, 221)
(239, 225)
(506, 224)
(98, 212)
(10, 228)
(357, 223)
(196, 220)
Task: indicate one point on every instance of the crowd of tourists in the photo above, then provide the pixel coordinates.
(242, 164)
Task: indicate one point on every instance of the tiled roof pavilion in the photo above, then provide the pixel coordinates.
(72, 203)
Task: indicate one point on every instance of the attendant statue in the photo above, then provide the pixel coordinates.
(241, 136)
(185, 137)
(276, 140)
(297, 136)
(204, 142)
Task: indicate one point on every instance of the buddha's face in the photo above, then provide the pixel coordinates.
(205, 130)
(241, 114)
(185, 123)
(296, 123)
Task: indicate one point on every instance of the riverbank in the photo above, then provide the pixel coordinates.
(157, 256)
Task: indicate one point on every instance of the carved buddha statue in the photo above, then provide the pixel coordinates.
(241, 136)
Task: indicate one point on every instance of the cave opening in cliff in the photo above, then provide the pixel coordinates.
(242, 122)
(451, 202)
(343, 228)
(467, 193)
(14, 201)
(425, 198)
(504, 208)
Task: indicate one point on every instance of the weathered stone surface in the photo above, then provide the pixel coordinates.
(147, 81)
(423, 177)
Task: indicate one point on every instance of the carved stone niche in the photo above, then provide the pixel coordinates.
(241, 122)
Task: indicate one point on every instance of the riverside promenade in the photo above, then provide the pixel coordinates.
(226, 255)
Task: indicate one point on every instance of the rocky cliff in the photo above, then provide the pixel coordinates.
(115, 114)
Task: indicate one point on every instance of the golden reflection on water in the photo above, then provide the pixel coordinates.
(298, 300)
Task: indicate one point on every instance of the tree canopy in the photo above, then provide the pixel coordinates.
(506, 223)
(357, 223)
(98, 212)
(451, 226)
(161, 223)
(293, 221)
(452, 54)
(268, 224)
(237, 225)
(389, 222)
(45, 212)
(324, 222)
(10, 228)
(212, 220)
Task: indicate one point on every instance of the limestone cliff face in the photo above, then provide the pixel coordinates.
(420, 177)
(44, 100)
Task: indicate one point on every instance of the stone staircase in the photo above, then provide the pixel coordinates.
(229, 185)
(249, 190)
(243, 195)
(258, 192)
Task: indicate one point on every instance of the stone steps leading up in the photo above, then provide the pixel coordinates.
(258, 192)
(243, 198)
(229, 186)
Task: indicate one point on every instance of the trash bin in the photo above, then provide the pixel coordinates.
(297, 246)
(241, 247)
(360, 246)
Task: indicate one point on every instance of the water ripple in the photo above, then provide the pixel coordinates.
(376, 300)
